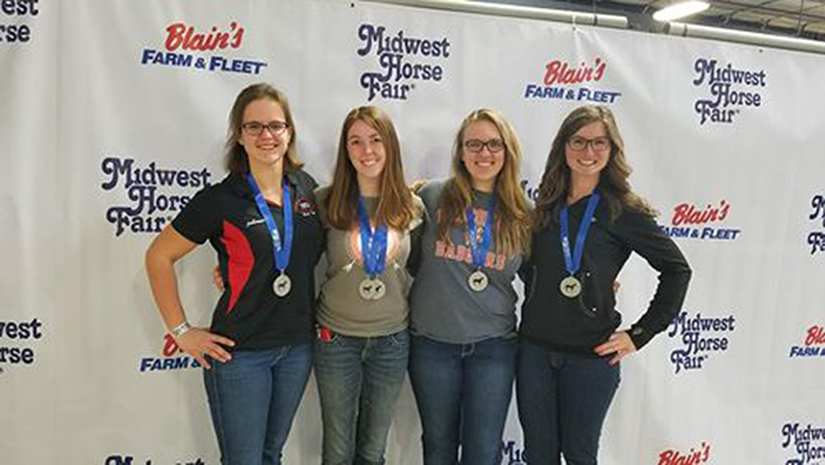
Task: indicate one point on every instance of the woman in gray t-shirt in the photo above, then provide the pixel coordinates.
(362, 347)
(463, 345)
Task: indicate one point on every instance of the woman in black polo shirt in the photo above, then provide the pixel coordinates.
(257, 352)
(570, 344)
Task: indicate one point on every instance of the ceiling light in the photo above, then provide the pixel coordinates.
(680, 10)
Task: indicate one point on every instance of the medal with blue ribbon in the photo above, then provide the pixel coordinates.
(280, 249)
(374, 253)
(478, 280)
(571, 286)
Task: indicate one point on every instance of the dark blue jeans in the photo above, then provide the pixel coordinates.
(562, 403)
(253, 399)
(463, 393)
(359, 380)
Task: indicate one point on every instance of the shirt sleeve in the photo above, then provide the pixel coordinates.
(416, 234)
(198, 221)
(642, 235)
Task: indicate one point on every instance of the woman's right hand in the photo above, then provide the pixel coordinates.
(417, 185)
(198, 342)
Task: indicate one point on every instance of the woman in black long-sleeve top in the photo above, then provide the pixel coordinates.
(588, 221)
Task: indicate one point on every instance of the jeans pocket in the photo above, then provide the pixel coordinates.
(400, 339)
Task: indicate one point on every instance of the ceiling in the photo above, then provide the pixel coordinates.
(790, 18)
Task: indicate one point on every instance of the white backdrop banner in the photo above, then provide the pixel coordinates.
(113, 115)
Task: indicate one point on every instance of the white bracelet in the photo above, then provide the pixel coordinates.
(180, 329)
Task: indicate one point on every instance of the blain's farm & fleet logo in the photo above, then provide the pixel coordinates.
(188, 47)
(170, 359)
(695, 456)
(580, 82)
(691, 222)
(813, 346)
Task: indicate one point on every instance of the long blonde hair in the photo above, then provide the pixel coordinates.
(511, 229)
(395, 203)
(613, 180)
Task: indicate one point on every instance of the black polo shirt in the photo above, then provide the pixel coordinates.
(248, 311)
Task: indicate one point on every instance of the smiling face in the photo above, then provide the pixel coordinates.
(586, 163)
(485, 164)
(365, 149)
(266, 149)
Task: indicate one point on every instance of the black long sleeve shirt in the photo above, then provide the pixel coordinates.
(579, 324)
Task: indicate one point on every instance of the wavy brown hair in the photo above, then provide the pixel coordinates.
(613, 180)
(395, 203)
(512, 215)
(235, 158)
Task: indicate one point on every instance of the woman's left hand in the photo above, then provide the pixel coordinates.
(620, 344)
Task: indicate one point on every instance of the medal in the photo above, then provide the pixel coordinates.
(281, 250)
(282, 285)
(372, 289)
(478, 281)
(571, 286)
(374, 253)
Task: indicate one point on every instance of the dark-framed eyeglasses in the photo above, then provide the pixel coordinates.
(256, 128)
(476, 146)
(598, 144)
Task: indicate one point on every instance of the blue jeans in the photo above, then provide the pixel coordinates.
(359, 379)
(562, 403)
(253, 399)
(463, 393)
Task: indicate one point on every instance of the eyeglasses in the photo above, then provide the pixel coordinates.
(598, 144)
(476, 146)
(256, 128)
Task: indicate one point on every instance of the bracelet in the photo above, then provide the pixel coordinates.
(180, 329)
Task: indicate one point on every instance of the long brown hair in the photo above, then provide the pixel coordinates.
(235, 158)
(512, 216)
(395, 203)
(613, 180)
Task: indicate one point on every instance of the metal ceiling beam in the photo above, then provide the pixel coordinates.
(497, 9)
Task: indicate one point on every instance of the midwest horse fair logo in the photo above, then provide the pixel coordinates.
(187, 47)
(806, 443)
(816, 239)
(699, 337)
(577, 82)
(731, 89)
(403, 61)
(691, 222)
(13, 332)
(155, 194)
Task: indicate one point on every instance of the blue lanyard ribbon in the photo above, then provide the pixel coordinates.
(480, 252)
(280, 250)
(573, 263)
(373, 243)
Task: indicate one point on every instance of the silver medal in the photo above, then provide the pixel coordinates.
(379, 289)
(478, 281)
(570, 287)
(282, 285)
(372, 289)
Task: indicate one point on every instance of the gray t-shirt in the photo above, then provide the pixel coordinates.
(443, 307)
(340, 306)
